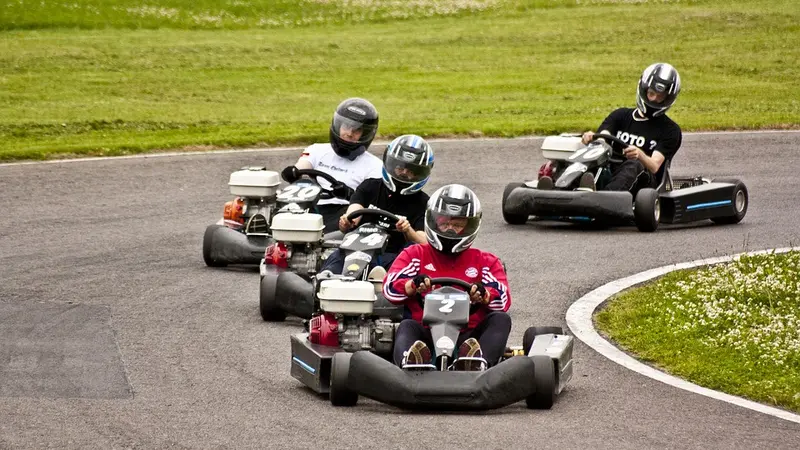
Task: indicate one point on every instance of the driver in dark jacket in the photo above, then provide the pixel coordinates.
(407, 165)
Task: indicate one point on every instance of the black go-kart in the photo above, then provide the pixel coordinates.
(675, 200)
(246, 228)
(536, 372)
(285, 292)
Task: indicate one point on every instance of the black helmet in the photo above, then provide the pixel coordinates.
(453, 218)
(355, 115)
(407, 164)
(662, 78)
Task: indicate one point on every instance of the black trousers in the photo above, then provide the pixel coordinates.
(492, 333)
(330, 216)
(630, 176)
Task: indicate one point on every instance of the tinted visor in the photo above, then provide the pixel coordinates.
(352, 130)
(406, 167)
(451, 225)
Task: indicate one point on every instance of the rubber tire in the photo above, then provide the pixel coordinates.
(644, 210)
(270, 311)
(208, 242)
(737, 217)
(512, 219)
(339, 394)
(544, 378)
(532, 332)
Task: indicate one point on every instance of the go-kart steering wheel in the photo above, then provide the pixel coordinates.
(447, 281)
(327, 193)
(610, 138)
(374, 212)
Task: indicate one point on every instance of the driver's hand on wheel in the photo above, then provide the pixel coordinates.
(402, 225)
(478, 294)
(587, 137)
(345, 224)
(289, 174)
(632, 152)
(419, 284)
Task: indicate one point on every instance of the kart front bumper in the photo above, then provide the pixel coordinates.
(225, 245)
(574, 205)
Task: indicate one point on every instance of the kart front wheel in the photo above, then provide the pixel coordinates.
(740, 199)
(544, 378)
(513, 219)
(647, 210)
(339, 394)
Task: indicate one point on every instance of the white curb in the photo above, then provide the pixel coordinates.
(579, 321)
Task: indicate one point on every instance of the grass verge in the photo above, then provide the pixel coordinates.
(732, 327)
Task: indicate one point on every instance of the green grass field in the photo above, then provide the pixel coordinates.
(732, 327)
(114, 77)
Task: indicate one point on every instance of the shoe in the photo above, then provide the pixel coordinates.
(470, 356)
(416, 355)
(545, 183)
(587, 182)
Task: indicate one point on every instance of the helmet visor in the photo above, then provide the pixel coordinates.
(352, 130)
(451, 225)
(406, 167)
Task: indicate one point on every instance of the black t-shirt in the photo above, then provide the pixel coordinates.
(373, 193)
(660, 133)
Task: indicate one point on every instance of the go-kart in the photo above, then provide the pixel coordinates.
(284, 292)
(245, 230)
(535, 372)
(675, 200)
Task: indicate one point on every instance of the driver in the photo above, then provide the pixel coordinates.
(345, 158)
(407, 165)
(452, 221)
(652, 137)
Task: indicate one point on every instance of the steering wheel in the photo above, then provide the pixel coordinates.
(610, 138)
(373, 212)
(447, 281)
(327, 193)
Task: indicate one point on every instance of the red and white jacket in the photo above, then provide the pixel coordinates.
(471, 265)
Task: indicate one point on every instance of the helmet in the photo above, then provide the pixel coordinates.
(360, 121)
(662, 78)
(407, 164)
(452, 218)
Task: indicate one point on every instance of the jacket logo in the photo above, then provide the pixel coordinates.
(430, 267)
(471, 272)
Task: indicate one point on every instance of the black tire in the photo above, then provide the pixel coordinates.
(740, 198)
(267, 303)
(512, 219)
(340, 395)
(532, 332)
(544, 378)
(647, 210)
(208, 243)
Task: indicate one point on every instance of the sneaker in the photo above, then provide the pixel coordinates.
(587, 182)
(470, 356)
(545, 183)
(417, 354)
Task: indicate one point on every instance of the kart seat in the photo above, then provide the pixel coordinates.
(663, 177)
(375, 277)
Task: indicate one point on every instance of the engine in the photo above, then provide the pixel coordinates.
(304, 260)
(352, 333)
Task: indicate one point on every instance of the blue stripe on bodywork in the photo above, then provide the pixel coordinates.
(303, 364)
(708, 205)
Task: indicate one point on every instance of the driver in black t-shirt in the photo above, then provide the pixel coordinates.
(652, 137)
(407, 165)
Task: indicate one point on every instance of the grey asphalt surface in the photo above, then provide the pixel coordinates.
(122, 240)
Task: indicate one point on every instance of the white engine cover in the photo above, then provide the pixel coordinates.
(561, 147)
(292, 227)
(347, 296)
(254, 182)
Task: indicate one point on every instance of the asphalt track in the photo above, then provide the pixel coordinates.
(113, 333)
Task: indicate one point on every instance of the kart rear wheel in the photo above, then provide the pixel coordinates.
(647, 210)
(340, 395)
(513, 219)
(532, 332)
(208, 245)
(740, 199)
(544, 378)
(267, 303)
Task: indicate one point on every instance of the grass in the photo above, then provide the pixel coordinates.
(732, 327)
(117, 77)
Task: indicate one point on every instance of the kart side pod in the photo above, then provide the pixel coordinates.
(345, 296)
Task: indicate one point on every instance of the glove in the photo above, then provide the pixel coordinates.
(479, 291)
(417, 282)
(290, 174)
(342, 190)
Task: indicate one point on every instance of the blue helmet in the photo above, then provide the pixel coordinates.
(407, 164)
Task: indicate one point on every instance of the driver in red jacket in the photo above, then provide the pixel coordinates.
(452, 220)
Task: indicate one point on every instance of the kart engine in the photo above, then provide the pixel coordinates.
(238, 211)
(352, 333)
(304, 260)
